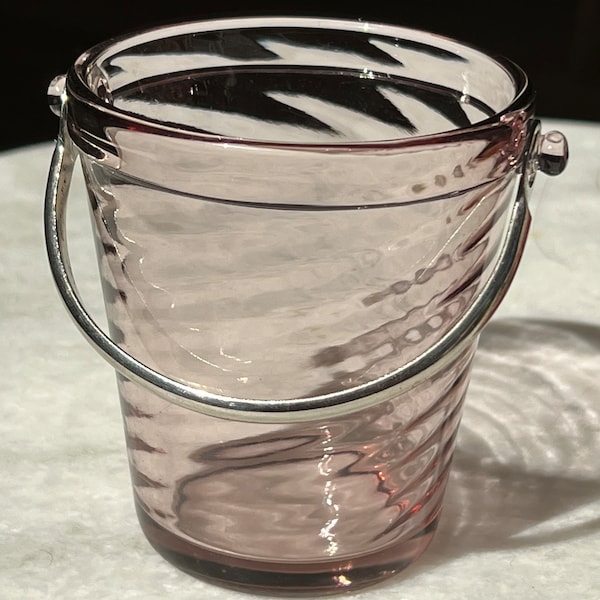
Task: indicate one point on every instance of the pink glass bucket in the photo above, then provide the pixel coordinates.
(302, 226)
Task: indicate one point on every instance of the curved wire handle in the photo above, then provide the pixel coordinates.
(296, 409)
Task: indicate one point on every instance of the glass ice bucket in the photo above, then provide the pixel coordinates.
(302, 226)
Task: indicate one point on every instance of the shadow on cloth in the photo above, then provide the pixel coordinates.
(525, 466)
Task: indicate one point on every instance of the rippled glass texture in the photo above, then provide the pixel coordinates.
(347, 239)
(322, 506)
(286, 208)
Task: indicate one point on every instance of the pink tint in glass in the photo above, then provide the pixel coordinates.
(302, 226)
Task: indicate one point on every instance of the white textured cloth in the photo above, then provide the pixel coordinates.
(521, 511)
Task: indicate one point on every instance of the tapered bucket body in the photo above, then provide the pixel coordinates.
(302, 226)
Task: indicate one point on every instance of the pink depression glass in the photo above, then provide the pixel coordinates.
(288, 211)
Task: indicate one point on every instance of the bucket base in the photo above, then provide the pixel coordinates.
(285, 579)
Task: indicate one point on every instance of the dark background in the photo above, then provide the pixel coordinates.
(557, 43)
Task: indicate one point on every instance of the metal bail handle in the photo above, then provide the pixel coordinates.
(298, 409)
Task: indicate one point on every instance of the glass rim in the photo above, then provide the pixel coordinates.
(79, 91)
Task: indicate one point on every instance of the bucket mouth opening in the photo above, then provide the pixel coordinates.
(320, 84)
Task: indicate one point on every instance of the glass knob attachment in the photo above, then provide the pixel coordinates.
(553, 153)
